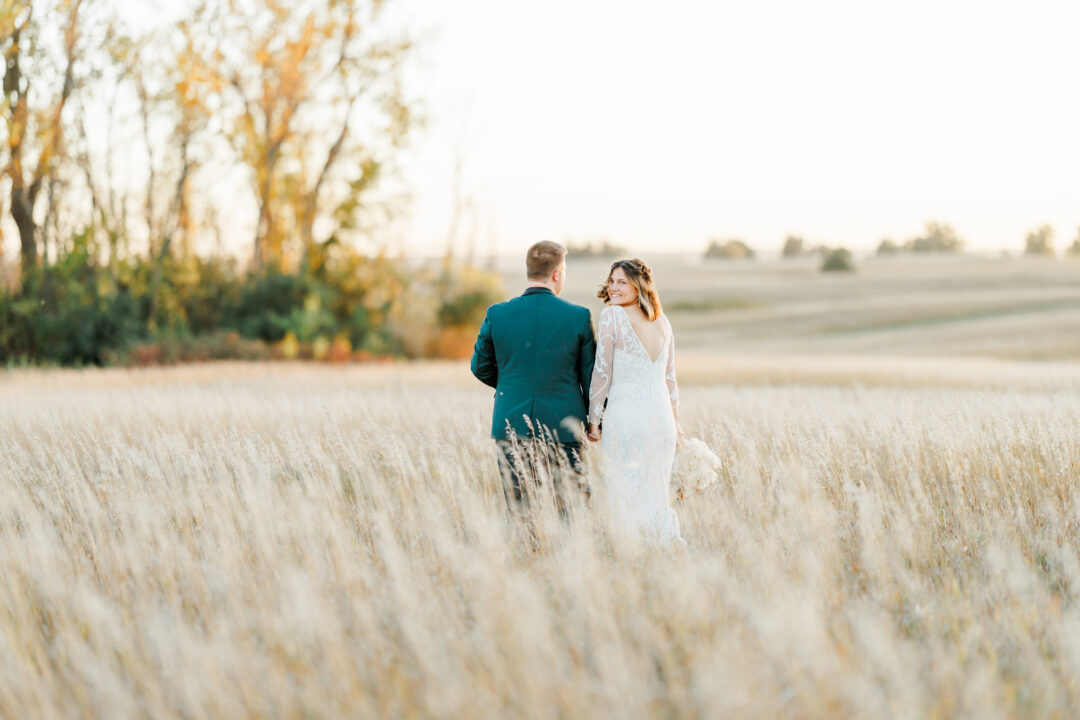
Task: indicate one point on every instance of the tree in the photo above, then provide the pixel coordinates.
(311, 97)
(1074, 249)
(595, 249)
(794, 246)
(181, 95)
(33, 106)
(838, 260)
(887, 247)
(937, 237)
(1040, 242)
(306, 95)
(732, 249)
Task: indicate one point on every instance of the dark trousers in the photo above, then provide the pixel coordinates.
(526, 465)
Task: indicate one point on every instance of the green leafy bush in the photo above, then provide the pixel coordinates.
(346, 306)
(838, 260)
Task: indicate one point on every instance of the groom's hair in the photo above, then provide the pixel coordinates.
(543, 258)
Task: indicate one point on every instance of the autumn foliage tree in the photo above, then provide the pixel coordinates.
(120, 143)
(39, 79)
(305, 96)
(311, 102)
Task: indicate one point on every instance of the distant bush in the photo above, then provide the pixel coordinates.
(1040, 242)
(732, 249)
(595, 249)
(794, 246)
(1074, 249)
(68, 312)
(888, 247)
(167, 350)
(838, 260)
(937, 237)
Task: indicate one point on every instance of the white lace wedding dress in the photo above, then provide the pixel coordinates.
(639, 432)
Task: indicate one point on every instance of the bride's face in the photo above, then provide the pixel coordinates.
(620, 289)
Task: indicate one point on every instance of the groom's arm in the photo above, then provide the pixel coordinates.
(484, 366)
(586, 357)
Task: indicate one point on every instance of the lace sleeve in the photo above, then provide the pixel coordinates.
(601, 377)
(672, 384)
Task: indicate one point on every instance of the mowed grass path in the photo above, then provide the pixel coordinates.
(886, 540)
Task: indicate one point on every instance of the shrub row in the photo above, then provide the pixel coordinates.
(348, 306)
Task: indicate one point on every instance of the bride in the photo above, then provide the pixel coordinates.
(635, 374)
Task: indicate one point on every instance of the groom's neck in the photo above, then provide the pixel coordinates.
(549, 286)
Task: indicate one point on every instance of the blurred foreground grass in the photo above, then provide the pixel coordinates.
(292, 540)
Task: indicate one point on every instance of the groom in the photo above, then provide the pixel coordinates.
(537, 351)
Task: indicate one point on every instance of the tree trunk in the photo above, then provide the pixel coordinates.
(22, 210)
(265, 225)
(311, 200)
(262, 229)
(177, 210)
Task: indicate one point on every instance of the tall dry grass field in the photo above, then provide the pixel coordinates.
(290, 541)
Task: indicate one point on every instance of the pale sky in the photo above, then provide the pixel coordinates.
(659, 125)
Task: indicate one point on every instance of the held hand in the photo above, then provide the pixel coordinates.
(594, 432)
(679, 437)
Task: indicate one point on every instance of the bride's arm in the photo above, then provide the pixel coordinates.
(601, 376)
(672, 383)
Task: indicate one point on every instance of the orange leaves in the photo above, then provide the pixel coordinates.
(453, 343)
(297, 89)
(295, 73)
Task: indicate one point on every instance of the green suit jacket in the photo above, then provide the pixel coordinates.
(537, 351)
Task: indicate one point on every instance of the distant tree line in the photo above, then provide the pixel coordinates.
(116, 146)
(942, 238)
(1041, 242)
(936, 237)
(594, 249)
(833, 258)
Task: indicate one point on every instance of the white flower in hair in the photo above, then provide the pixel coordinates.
(696, 467)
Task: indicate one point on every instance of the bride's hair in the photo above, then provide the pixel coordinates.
(640, 276)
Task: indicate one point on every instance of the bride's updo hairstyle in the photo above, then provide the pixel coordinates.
(640, 276)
